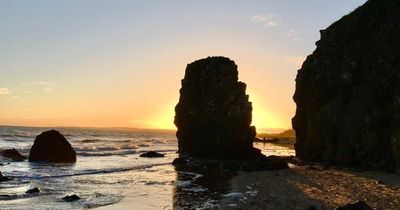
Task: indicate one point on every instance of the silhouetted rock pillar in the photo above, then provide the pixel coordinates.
(213, 115)
(348, 91)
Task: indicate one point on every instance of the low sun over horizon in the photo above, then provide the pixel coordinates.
(120, 63)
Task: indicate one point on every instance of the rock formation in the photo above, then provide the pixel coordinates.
(12, 154)
(3, 178)
(348, 91)
(152, 154)
(51, 146)
(213, 115)
(33, 190)
(71, 198)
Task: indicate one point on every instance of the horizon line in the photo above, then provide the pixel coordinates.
(262, 130)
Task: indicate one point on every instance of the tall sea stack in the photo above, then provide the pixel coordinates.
(213, 115)
(348, 91)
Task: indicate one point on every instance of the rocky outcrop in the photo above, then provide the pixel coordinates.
(179, 161)
(3, 178)
(12, 154)
(71, 198)
(33, 190)
(214, 114)
(51, 146)
(152, 154)
(348, 91)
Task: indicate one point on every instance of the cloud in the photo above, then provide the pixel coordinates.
(296, 60)
(48, 89)
(15, 97)
(47, 86)
(4, 91)
(293, 35)
(267, 21)
(36, 83)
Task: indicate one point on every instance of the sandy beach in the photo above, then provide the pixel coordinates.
(302, 186)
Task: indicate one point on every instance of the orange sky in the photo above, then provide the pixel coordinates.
(119, 63)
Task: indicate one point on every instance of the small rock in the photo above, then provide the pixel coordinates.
(12, 154)
(5, 197)
(70, 198)
(234, 196)
(359, 205)
(152, 154)
(3, 178)
(33, 190)
(179, 161)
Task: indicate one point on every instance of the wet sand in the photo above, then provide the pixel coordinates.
(302, 186)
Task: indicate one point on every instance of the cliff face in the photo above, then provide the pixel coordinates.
(348, 91)
(213, 115)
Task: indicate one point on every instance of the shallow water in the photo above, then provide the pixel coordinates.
(109, 171)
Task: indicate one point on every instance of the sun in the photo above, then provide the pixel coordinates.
(263, 117)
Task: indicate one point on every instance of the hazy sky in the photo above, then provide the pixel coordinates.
(119, 63)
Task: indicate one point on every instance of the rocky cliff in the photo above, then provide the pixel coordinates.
(213, 115)
(348, 91)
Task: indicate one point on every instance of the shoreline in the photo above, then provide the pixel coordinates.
(302, 186)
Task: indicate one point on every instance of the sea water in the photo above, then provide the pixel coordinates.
(108, 172)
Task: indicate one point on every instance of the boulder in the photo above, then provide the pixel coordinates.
(33, 190)
(12, 154)
(152, 154)
(179, 161)
(359, 205)
(51, 146)
(213, 115)
(3, 178)
(70, 198)
(348, 91)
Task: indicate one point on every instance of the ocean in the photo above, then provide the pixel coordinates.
(109, 172)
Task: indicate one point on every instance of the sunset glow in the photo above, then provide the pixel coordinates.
(120, 63)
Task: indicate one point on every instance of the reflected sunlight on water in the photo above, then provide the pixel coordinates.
(109, 171)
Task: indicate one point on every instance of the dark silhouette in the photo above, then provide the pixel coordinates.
(71, 198)
(151, 154)
(13, 154)
(213, 115)
(33, 190)
(348, 91)
(3, 178)
(51, 146)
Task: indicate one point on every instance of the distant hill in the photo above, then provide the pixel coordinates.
(285, 134)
